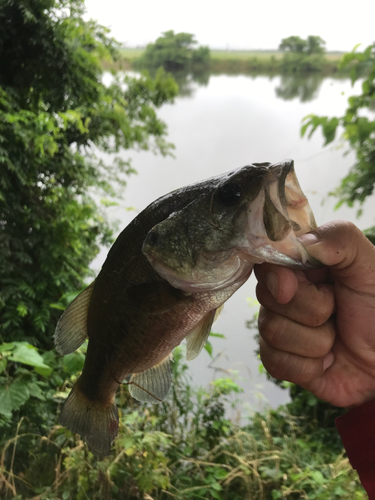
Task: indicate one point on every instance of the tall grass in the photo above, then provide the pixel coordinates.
(183, 449)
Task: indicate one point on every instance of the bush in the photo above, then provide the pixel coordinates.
(184, 448)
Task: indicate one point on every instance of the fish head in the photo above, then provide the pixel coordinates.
(244, 217)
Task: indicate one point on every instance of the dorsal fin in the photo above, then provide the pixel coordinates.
(71, 329)
(197, 338)
(152, 385)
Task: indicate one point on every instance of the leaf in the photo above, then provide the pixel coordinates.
(219, 335)
(329, 129)
(36, 391)
(13, 396)
(220, 474)
(365, 86)
(28, 355)
(208, 348)
(7, 346)
(3, 365)
(60, 307)
(318, 477)
(22, 309)
(73, 362)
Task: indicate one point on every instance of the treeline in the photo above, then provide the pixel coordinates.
(180, 52)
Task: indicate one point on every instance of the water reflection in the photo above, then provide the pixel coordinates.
(188, 81)
(304, 87)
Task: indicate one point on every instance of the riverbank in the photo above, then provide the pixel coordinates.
(237, 61)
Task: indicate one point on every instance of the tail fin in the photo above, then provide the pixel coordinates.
(96, 422)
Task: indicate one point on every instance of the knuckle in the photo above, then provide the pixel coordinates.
(322, 305)
(287, 366)
(274, 361)
(348, 227)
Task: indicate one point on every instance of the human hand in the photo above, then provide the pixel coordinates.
(317, 327)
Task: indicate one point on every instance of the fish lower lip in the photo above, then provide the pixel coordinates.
(240, 274)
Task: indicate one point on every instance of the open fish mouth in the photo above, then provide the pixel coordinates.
(277, 217)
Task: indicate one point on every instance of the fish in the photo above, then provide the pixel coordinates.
(167, 277)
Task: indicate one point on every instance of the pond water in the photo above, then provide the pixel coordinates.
(226, 123)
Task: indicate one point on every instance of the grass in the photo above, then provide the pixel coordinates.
(131, 53)
(238, 55)
(245, 54)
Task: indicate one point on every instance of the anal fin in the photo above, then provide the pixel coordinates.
(152, 385)
(197, 338)
(71, 329)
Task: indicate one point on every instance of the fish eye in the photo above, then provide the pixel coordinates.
(228, 194)
(152, 238)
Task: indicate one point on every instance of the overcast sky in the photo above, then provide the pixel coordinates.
(239, 24)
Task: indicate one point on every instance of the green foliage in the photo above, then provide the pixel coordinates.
(295, 44)
(56, 115)
(358, 125)
(57, 118)
(184, 448)
(302, 56)
(370, 234)
(175, 52)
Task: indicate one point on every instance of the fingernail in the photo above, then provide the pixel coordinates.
(328, 360)
(308, 239)
(272, 281)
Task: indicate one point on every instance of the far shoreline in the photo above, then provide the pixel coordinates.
(234, 61)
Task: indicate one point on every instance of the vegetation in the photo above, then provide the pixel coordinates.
(55, 116)
(54, 109)
(235, 61)
(302, 56)
(184, 449)
(358, 125)
(175, 52)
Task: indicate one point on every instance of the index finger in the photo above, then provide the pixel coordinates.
(293, 295)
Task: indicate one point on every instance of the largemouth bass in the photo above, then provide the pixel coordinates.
(166, 276)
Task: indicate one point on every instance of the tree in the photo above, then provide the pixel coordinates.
(358, 124)
(301, 55)
(55, 115)
(315, 45)
(293, 44)
(174, 51)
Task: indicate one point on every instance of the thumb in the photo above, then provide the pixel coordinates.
(346, 250)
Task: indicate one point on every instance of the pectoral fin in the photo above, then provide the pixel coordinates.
(199, 335)
(71, 329)
(152, 385)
